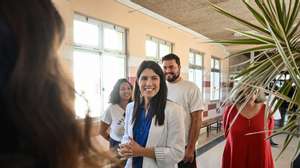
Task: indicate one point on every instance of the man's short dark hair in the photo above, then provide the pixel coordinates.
(171, 57)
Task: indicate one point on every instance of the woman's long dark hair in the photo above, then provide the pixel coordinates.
(158, 102)
(36, 97)
(115, 93)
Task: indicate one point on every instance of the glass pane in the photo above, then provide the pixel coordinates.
(90, 37)
(212, 65)
(151, 48)
(86, 69)
(112, 39)
(211, 86)
(191, 58)
(282, 77)
(287, 77)
(215, 86)
(217, 64)
(277, 76)
(198, 59)
(217, 80)
(191, 75)
(198, 78)
(164, 50)
(111, 75)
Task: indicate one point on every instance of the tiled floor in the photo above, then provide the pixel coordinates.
(203, 139)
(212, 158)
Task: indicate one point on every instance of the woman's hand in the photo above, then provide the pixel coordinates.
(135, 148)
(130, 149)
(124, 151)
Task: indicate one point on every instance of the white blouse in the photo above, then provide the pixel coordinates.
(114, 116)
(167, 140)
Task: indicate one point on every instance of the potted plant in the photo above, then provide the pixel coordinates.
(276, 39)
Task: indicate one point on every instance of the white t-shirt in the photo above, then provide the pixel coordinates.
(114, 116)
(188, 95)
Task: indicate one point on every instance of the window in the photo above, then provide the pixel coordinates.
(100, 46)
(157, 48)
(215, 77)
(85, 62)
(90, 37)
(196, 68)
(113, 38)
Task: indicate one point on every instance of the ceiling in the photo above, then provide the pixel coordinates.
(199, 16)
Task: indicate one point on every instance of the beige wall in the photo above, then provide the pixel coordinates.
(139, 25)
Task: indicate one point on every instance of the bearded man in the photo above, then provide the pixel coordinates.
(188, 95)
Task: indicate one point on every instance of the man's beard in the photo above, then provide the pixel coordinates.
(173, 77)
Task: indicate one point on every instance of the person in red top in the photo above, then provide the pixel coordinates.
(245, 147)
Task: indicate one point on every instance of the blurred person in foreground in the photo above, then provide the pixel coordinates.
(38, 124)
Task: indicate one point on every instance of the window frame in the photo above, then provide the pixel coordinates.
(118, 29)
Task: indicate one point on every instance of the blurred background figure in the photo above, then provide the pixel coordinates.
(284, 108)
(114, 115)
(38, 124)
(246, 145)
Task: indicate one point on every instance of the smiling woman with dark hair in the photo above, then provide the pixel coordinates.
(114, 115)
(154, 128)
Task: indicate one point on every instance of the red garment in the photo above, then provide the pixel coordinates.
(246, 151)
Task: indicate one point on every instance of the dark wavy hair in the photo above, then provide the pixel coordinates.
(38, 123)
(114, 94)
(171, 56)
(158, 102)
